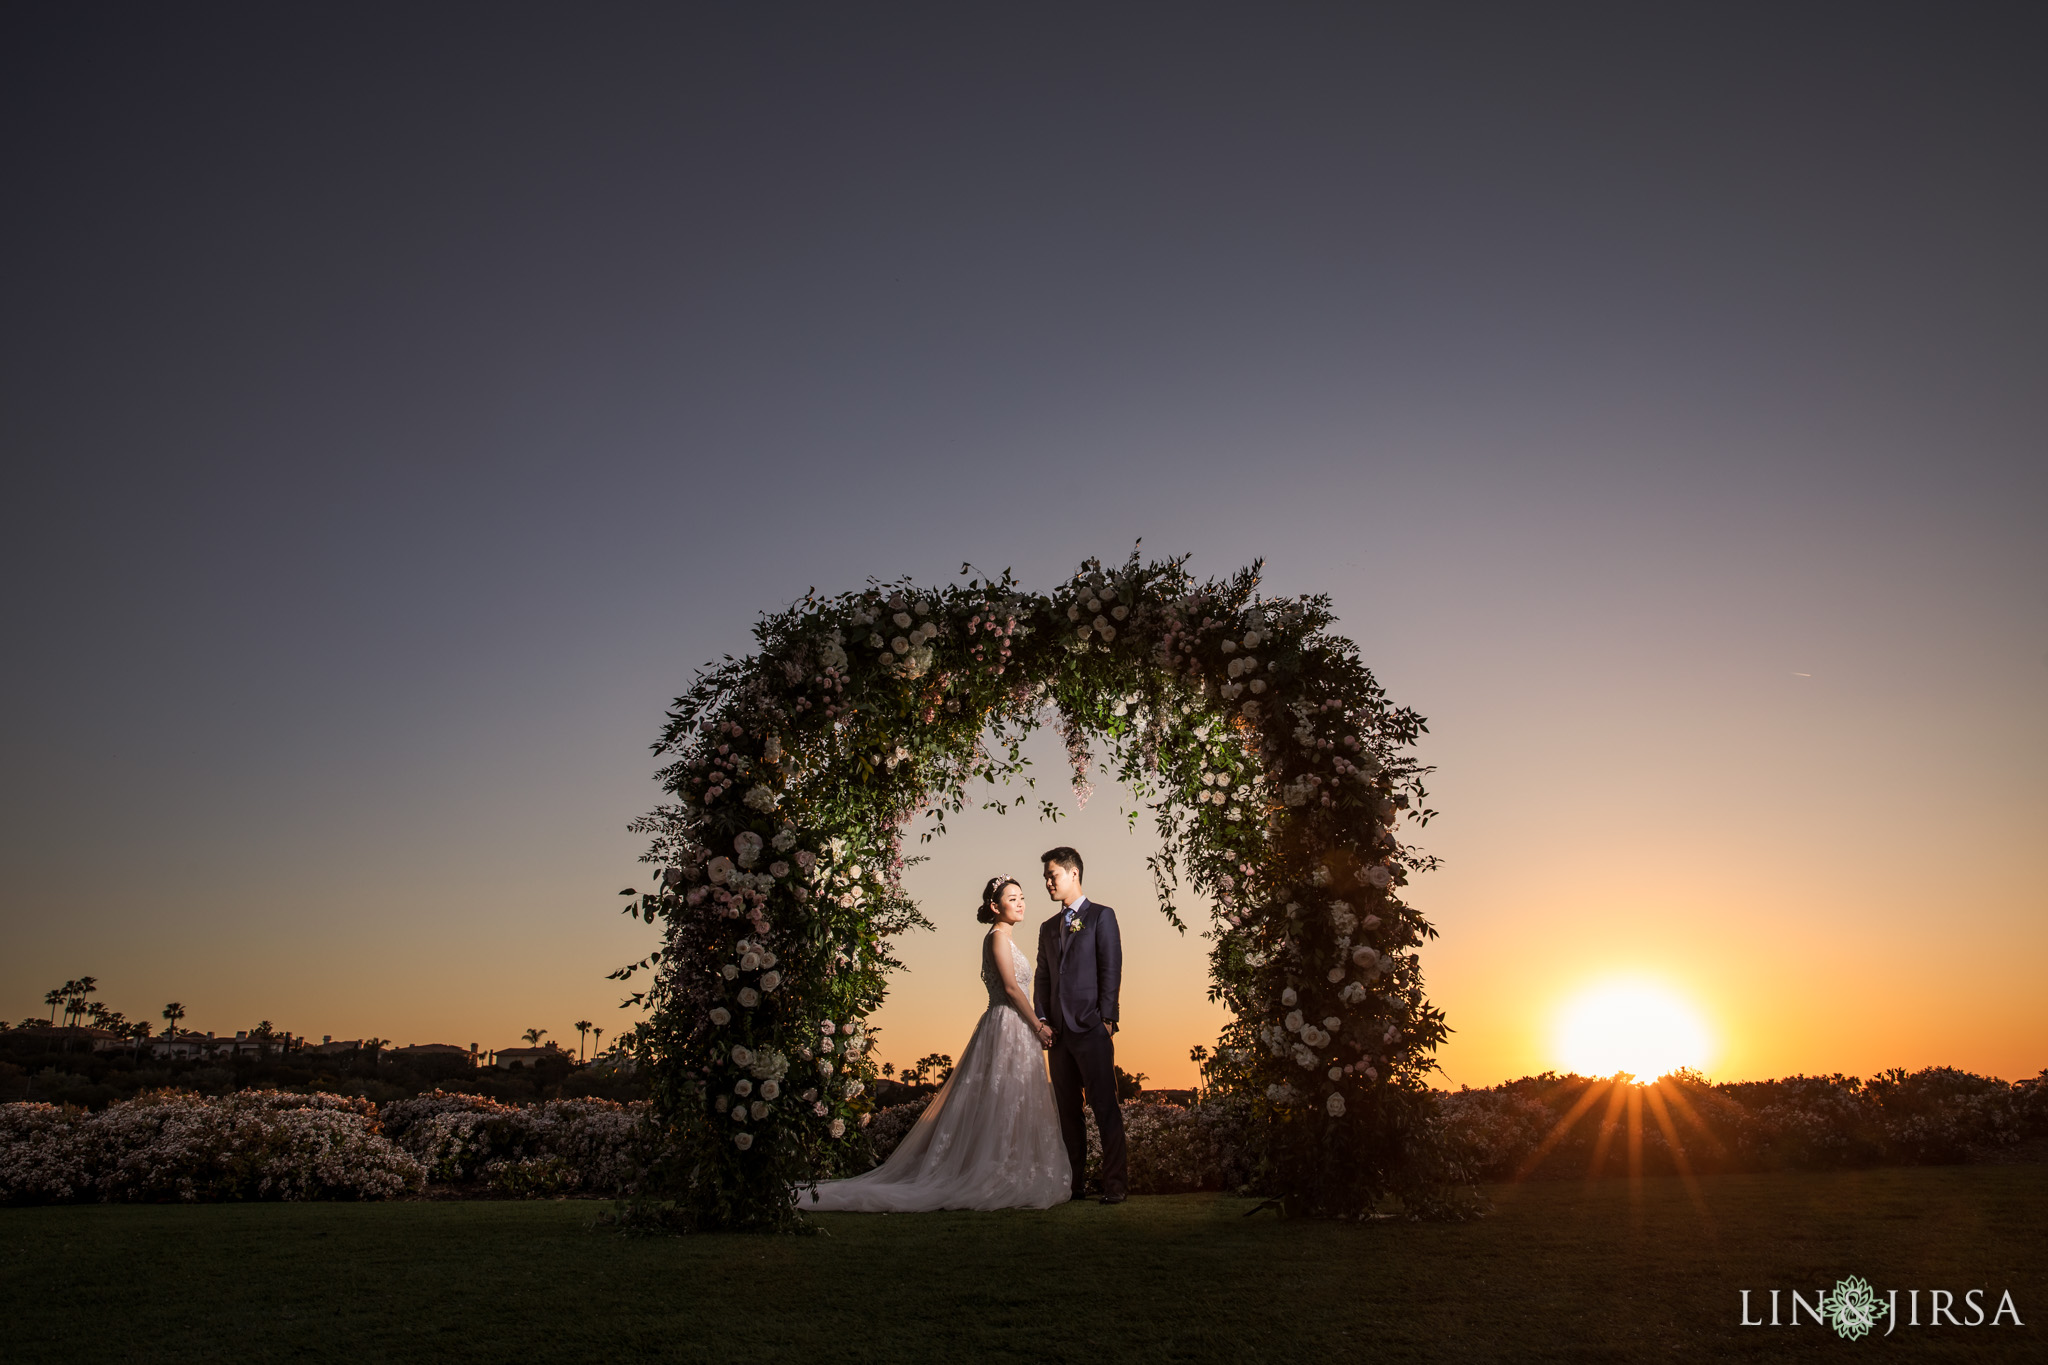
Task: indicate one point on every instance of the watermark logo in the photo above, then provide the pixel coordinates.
(1853, 1308)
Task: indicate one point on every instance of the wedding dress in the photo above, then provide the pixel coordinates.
(990, 1139)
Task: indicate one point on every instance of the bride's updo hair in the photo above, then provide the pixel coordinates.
(992, 893)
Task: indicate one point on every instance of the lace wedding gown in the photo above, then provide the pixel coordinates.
(990, 1139)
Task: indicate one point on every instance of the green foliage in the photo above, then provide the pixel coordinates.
(1274, 766)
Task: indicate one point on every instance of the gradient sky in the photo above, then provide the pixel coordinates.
(401, 402)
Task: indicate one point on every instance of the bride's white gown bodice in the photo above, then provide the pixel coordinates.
(990, 1139)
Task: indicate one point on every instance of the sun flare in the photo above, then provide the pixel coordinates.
(1633, 1026)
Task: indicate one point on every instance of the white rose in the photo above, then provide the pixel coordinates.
(1288, 997)
(826, 1026)
(770, 980)
(747, 844)
(838, 1128)
(778, 869)
(806, 859)
(1336, 975)
(1378, 877)
(743, 1088)
(760, 1109)
(1333, 1022)
(771, 1089)
(750, 961)
(767, 958)
(1120, 612)
(1335, 1104)
(739, 1113)
(721, 1104)
(720, 868)
(1335, 1073)
(742, 1055)
(728, 971)
(1230, 646)
(721, 1016)
(1294, 1021)
(743, 1140)
(1258, 685)
(749, 997)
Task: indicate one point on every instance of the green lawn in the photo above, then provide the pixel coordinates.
(1561, 1271)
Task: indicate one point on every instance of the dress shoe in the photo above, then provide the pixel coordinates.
(1116, 1198)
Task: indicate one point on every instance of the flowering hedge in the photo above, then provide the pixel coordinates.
(263, 1144)
(1275, 766)
(176, 1146)
(1573, 1126)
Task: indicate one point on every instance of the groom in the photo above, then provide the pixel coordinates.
(1080, 971)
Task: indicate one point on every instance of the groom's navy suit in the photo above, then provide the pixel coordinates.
(1080, 972)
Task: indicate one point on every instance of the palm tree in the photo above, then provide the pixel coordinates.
(173, 1012)
(55, 998)
(263, 1033)
(139, 1030)
(534, 1035)
(596, 1037)
(75, 1006)
(373, 1046)
(582, 1031)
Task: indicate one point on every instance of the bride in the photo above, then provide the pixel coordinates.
(990, 1139)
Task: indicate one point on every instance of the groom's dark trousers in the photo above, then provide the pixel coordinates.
(1085, 1063)
(1079, 979)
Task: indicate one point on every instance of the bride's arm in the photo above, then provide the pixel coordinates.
(1007, 974)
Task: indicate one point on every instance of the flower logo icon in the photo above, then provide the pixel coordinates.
(1853, 1308)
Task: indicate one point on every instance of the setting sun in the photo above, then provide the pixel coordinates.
(1630, 1026)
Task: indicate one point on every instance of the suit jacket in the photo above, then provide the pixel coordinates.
(1089, 966)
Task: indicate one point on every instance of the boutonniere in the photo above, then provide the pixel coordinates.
(1073, 924)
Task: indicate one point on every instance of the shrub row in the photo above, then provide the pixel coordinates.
(268, 1144)
(1562, 1126)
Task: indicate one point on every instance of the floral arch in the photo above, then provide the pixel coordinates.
(1278, 773)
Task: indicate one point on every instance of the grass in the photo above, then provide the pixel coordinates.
(1562, 1271)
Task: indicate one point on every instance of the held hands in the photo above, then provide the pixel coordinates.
(1044, 1031)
